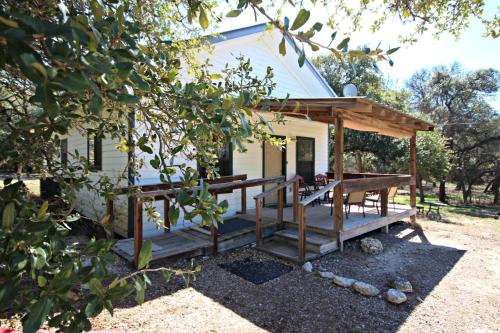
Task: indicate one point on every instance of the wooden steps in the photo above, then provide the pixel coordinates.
(285, 250)
(315, 242)
(284, 244)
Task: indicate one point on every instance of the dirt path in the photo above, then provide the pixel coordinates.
(454, 269)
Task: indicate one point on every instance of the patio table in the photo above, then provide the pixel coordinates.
(436, 205)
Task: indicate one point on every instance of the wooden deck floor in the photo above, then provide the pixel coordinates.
(196, 241)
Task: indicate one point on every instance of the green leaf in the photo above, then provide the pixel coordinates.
(317, 26)
(37, 315)
(302, 57)
(234, 13)
(43, 210)
(282, 46)
(173, 215)
(39, 257)
(42, 281)
(203, 19)
(167, 275)
(128, 99)
(300, 19)
(8, 215)
(140, 288)
(343, 43)
(146, 254)
(391, 51)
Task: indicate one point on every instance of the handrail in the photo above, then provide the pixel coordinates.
(217, 187)
(316, 194)
(302, 216)
(276, 188)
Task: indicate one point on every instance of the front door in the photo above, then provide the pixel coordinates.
(305, 158)
(274, 165)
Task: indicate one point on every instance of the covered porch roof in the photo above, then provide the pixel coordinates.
(359, 113)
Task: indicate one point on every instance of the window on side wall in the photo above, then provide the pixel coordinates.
(94, 151)
(224, 164)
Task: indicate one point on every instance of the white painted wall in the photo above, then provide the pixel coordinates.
(113, 164)
(262, 49)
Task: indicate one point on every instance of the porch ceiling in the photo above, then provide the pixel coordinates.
(359, 113)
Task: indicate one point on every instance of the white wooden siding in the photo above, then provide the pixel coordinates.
(114, 163)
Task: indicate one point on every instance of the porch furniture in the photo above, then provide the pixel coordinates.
(436, 206)
(320, 181)
(352, 198)
(375, 198)
(304, 189)
(420, 210)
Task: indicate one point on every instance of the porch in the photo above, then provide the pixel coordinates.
(290, 232)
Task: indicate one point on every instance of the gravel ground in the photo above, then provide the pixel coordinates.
(454, 268)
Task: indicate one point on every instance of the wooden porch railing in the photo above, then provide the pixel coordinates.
(213, 188)
(302, 216)
(281, 190)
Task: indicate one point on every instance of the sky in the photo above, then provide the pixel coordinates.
(471, 50)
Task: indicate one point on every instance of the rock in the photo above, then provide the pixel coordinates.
(395, 296)
(371, 245)
(402, 284)
(365, 288)
(343, 281)
(327, 275)
(308, 267)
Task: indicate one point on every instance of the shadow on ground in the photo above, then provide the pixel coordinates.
(305, 302)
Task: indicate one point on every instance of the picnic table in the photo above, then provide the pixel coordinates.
(436, 206)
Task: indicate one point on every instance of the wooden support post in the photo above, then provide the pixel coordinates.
(243, 200)
(109, 229)
(280, 208)
(413, 173)
(295, 200)
(302, 232)
(384, 202)
(338, 194)
(166, 220)
(258, 222)
(214, 235)
(137, 229)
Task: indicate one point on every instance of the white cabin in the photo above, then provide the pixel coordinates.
(306, 153)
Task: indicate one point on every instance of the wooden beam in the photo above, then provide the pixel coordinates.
(338, 197)
(258, 221)
(413, 172)
(214, 235)
(243, 200)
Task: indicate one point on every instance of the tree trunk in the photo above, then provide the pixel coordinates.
(420, 189)
(464, 192)
(442, 190)
(359, 161)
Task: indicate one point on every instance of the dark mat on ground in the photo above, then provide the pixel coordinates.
(256, 271)
(233, 225)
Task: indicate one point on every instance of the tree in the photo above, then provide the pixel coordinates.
(91, 66)
(457, 102)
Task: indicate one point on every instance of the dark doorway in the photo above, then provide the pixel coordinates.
(305, 158)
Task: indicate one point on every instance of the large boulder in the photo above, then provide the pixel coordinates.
(327, 275)
(371, 245)
(308, 267)
(343, 281)
(365, 288)
(395, 296)
(402, 284)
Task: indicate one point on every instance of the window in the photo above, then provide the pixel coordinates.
(64, 152)
(94, 151)
(225, 163)
(305, 158)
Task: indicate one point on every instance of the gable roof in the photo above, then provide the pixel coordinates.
(259, 28)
